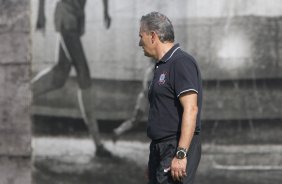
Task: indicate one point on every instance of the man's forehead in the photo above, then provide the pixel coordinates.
(141, 31)
(143, 27)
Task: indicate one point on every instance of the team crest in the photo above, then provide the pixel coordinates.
(162, 78)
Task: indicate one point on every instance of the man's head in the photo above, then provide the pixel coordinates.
(154, 27)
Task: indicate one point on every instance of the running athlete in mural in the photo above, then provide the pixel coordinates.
(141, 105)
(70, 25)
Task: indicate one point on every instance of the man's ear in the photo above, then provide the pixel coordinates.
(153, 36)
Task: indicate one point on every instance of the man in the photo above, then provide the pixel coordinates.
(175, 97)
(69, 23)
(140, 108)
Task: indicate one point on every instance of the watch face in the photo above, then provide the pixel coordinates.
(180, 154)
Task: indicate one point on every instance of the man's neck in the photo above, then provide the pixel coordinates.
(163, 48)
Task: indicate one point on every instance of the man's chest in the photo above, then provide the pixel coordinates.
(162, 83)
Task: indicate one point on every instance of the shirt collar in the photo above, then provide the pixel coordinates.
(170, 53)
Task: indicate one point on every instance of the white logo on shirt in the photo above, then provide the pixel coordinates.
(162, 78)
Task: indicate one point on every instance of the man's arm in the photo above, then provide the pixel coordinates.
(189, 117)
(188, 101)
(41, 19)
(107, 18)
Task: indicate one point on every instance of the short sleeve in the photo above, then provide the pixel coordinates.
(186, 76)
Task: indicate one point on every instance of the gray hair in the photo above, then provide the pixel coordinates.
(158, 23)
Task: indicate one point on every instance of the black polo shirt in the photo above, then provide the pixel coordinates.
(176, 73)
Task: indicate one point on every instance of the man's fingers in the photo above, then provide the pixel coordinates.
(184, 173)
(107, 22)
(177, 175)
(173, 174)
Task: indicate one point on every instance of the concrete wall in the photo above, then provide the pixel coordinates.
(15, 126)
(237, 45)
(202, 27)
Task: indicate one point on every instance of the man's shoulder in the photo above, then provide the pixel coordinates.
(182, 56)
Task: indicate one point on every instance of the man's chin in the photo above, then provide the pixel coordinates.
(147, 54)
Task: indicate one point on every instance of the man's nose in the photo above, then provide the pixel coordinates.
(140, 43)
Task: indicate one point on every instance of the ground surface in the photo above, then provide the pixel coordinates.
(237, 154)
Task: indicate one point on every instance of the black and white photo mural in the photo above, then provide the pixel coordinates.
(89, 75)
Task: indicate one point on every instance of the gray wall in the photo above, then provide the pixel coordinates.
(237, 45)
(114, 53)
(15, 126)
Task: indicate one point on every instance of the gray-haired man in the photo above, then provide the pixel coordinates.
(175, 97)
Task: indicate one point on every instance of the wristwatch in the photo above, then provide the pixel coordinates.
(181, 153)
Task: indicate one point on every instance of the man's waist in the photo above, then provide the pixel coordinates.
(170, 138)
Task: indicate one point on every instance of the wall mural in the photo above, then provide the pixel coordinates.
(87, 67)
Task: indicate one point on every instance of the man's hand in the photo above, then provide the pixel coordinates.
(178, 168)
(41, 19)
(40, 25)
(107, 20)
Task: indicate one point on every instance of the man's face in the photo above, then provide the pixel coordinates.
(146, 42)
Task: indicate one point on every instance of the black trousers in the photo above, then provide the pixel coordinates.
(161, 155)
